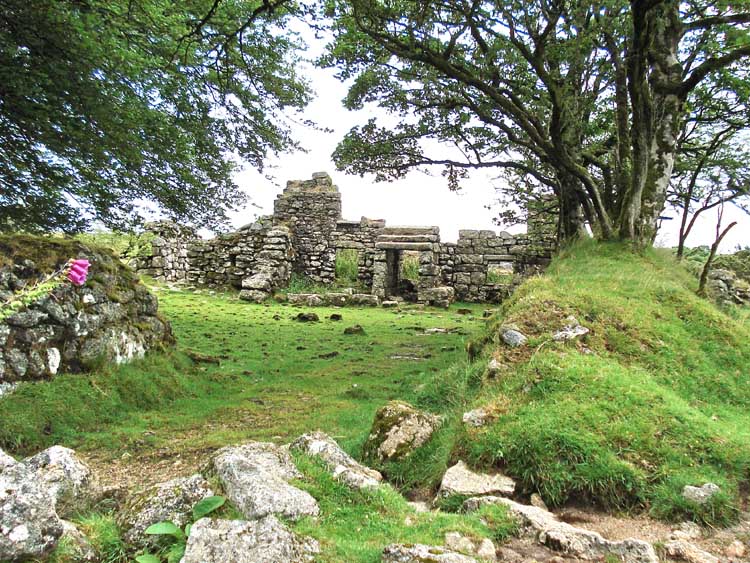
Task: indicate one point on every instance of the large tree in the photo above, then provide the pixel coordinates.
(582, 99)
(110, 107)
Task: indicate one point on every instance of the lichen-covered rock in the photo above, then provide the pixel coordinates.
(66, 477)
(6, 461)
(700, 495)
(170, 501)
(398, 430)
(482, 548)
(29, 525)
(255, 478)
(259, 541)
(570, 331)
(685, 551)
(460, 480)
(565, 538)
(476, 418)
(343, 467)
(113, 317)
(512, 336)
(76, 544)
(419, 553)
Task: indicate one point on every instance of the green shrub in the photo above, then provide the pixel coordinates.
(409, 267)
(347, 267)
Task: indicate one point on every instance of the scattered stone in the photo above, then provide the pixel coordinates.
(419, 506)
(253, 295)
(398, 430)
(735, 550)
(336, 317)
(6, 461)
(418, 553)
(512, 337)
(171, 501)
(29, 525)
(438, 296)
(68, 479)
(7, 388)
(343, 467)
(254, 477)
(570, 331)
(460, 480)
(494, 368)
(356, 329)
(483, 548)
(685, 551)
(259, 541)
(365, 299)
(389, 304)
(328, 355)
(565, 538)
(476, 418)
(700, 495)
(438, 330)
(687, 531)
(77, 544)
(463, 311)
(307, 318)
(537, 501)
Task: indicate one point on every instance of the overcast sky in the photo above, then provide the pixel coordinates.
(419, 199)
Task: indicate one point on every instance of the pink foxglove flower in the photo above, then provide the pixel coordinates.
(78, 271)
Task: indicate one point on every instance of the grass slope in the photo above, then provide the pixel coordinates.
(654, 398)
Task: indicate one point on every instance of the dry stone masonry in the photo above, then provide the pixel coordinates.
(306, 231)
(113, 318)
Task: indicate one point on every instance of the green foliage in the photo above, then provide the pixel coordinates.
(347, 266)
(409, 267)
(110, 103)
(658, 402)
(103, 534)
(177, 537)
(303, 284)
(127, 246)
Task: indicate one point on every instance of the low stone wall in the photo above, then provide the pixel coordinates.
(485, 265)
(112, 318)
(169, 252)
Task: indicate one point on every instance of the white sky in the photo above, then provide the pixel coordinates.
(418, 199)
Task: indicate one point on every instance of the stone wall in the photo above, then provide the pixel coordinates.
(112, 318)
(360, 236)
(485, 265)
(311, 209)
(259, 258)
(169, 252)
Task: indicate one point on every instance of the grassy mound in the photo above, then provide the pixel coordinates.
(654, 398)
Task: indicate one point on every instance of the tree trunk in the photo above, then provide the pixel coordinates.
(654, 77)
(711, 256)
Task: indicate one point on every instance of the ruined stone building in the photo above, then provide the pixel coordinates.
(305, 233)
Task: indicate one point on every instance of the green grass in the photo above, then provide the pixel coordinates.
(103, 535)
(347, 267)
(658, 398)
(273, 381)
(355, 526)
(409, 266)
